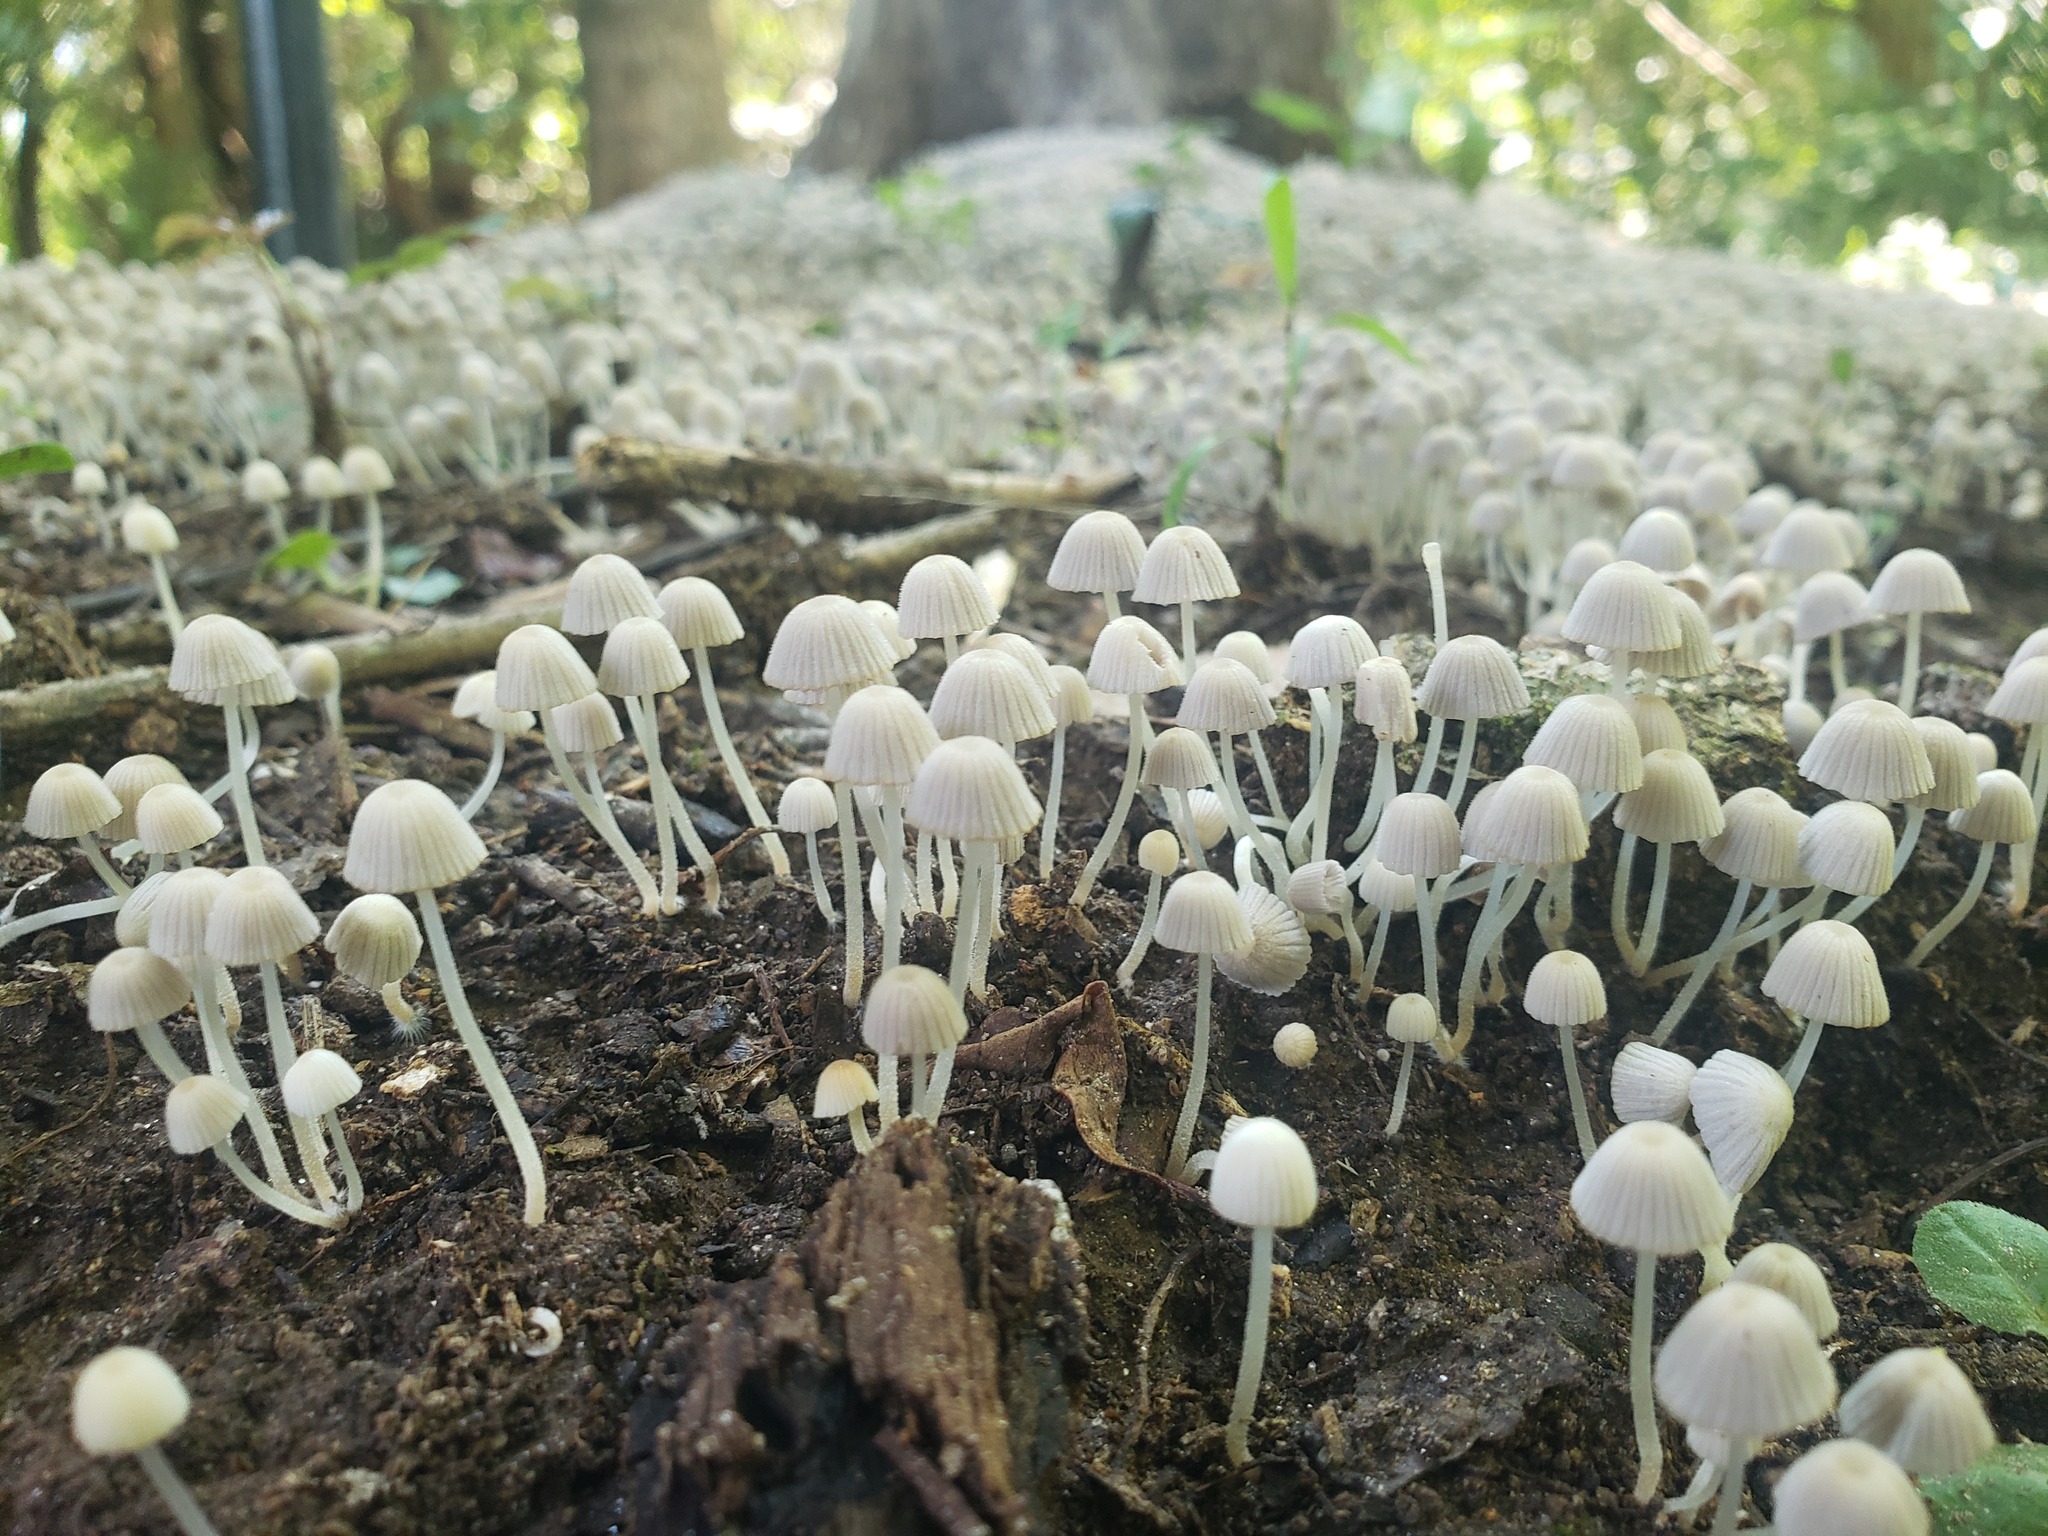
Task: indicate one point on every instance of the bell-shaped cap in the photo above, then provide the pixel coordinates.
(2004, 812)
(1591, 740)
(364, 471)
(1744, 1361)
(883, 616)
(131, 923)
(1073, 701)
(1565, 991)
(844, 1088)
(697, 612)
(1675, 803)
(970, 790)
(1743, 1110)
(263, 482)
(1623, 607)
(1660, 539)
(1180, 759)
(1921, 1411)
(1584, 558)
(1224, 696)
(179, 913)
(1263, 1176)
(1159, 853)
(988, 692)
(942, 596)
(826, 642)
(1319, 887)
(1184, 564)
(1201, 915)
(126, 1400)
(1383, 890)
(1695, 655)
(1868, 750)
(1385, 700)
(216, 652)
(408, 836)
(1847, 847)
(588, 724)
(477, 699)
(1650, 1083)
(1328, 651)
(257, 916)
(1658, 728)
(1807, 540)
(319, 1083)
(1022, 651)
(315, 671)
(1418, 835)
(1278, 955)
(640, 657)
(1845, 1488)
(538, 669)
(806, 806)
(1787, 1270)
(1828, 971)
(133, 777)
(1100, 552)
(881, 737)
(175, 818)
(68, 800)
(88, 479)
(1473, 678)
(1918, 581)
(1647, 1187)
(1130, 656)
(131, 988)
(145, 530)
(1411, 1020)
(1248, 651)
(1829, 602)
(2021, 696)
(1759, 840)
(605, 590)
(200, 1113)
(1531, 817)
(1210, 816)
(1954, 763)
(375, 940)
(320, 479)
(911, 1012)
(1762, 510)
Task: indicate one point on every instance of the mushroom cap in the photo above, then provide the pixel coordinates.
(320, 479)
(988, 692)
(1130, 656)
(1564, 990)
(1531, 817)
(1211, 819)
(1869, 750)
(318, 1083)
(1101, 551)
(1918, 581)
(1473, 677)
(882, 736)
(217, 652)
(2004, 812)
(2021, 696)
(364, 471)
(697, 612)
(1020, 650)
(130, 779)
(1675, 803)
(1294, 1045)
(257, 916)
(1418, 835)
(1802, 722)
(1384, 701)
(1224, 696)
(1411, 1020)
(1845, 1488)
(1787, 1270)
(1383, 890)
(1742, 596)
(1649, 1188)
(88, 479)
(201, 1112)
(1263, 1176)
(1328, 651)
(1249, 651)
(1159, 853)
(844, 1088)
(1660, 539)
(1184, 564)
(1759, 840)
(1650, 1083)
(1762, 511)
(827, 642)
(911, 1012)
(1828, 971)
(175, 818)
(1201, 915)
(1277, 956)
(127, 1399)
(1954, 763)
(1743, 1110)
(1319, 886)
(1807, 540)
(477, 699)
(1983, 751)
(970, 790)
(883, 616)
(538, 669)
(375, 940)
(145, 530)
(1591, 739)
(132, 987)
(131, 923)
(2036, 644)
(1658, 728)
(640, 657)
(807, 805)
(1917, 1407)
(1583, 559)
(1847, 846)
(1829, 602)
(941, 596)
(408, 836)
(315, 671)
(588, 724)
(69, 800)
(1695, 655)
(179, 912)
(263, 482)
(1744, 1361)
(1624, 606)
(1073, 701)
(1717, 489)
(1180, 759)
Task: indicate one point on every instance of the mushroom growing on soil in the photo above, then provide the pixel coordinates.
(315, 1088)
(970, 790)
(1200, 916)
(878, 743)
(1411, 1021)
(1383, 701)
(1418, 838)
(70, 803)
(127, 1402)
(1224, 697)
(364, 474)
(1133, 659)
(1159, 857)
(2003, 814)
(913, 1013)
(264, 485)
(222, 661)
(1073, 703)
(1650, 1084)
(477, 699)
(1674, 804)
(1294, 1046)
(844, 1091)
(1471, 679)
(147, 532)
(2021, 699)
(806, 809)
(641, 662)
(1916, 582)
(1921, 1411)
(1324, 658)
(1565, 992)
(200, 1115)
(1264, 1179)
(1319, 890)
(1185, 565)
(942, 599)
(1178, 763)
(1100, 552)
(1826, 974)
(375, 944)
(1844, 1488)
(132, 989)
(1624, 609)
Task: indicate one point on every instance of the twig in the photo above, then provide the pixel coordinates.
(2010, 1155)
(98, 1104)
(1142, 1404)
(768, 1004)
(941, 1498)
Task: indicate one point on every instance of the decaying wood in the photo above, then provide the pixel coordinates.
(423, 715)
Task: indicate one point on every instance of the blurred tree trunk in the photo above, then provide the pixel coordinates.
(26, 235)
(921, 72)
(1905, 35)
(210, 42)
(654, 82)
(436, 105)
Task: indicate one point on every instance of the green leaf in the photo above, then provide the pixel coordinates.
(417, 254)
(1987, 1264)
(1120, 340)
(2005, 1494)
(431, 586)
(1058, 334)
(1184, 472)
(1309, 118)
(1280, 243)
(1377, 331)
(306, 551)
(1842, 364)
(34, 459)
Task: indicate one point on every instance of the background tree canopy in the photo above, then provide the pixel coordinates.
(1795, 128)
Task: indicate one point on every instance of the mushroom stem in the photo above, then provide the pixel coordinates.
(157, 1046)
(1617, 674)
(1617, 913)
(1909, 671)
(373, 557)
(1183, 816)
(1960, 910)
(507, 1107)
(1240, 816)
(70, 912)
(1461, 771)
(1298, 829)
(89, 845)
(482, 792)
(306, 1138)
(1432, 748)
(735, 768)
(991, 922)
(1909, 838)
(1642, 1326)
(973, 910)
(1251, 1363)
(599, 815)
(1505, 898)
(1794, 1071)
(888, 1105)
(402, 1013)
(1187, 639)
(1425, 915)
(220, 786)
(894, 887)
(226, 1065)
(919, 1079)
(269, 1194)
(1653, 920)
(949, 880)
(1049, 829)
(238, 785)
(1143, 941)
(1439, 608)
(176, 1496)
(819, 888)
(1352, 942)
(1198, 1072)
(1274, 805)
(857, 1128)
(1581, 1121)
(1372, 960)
(1383, 786)
(1755, 930)
(1795, 683)
(1838, 673)
(2023, 853)
(926, 902)
(1401, 1088)
(1113, 830)
(349, 1173)
(166, 599)
(1326, 781)
(1703, 966)
(849, 880)
(641, 712)
(1728, 1513)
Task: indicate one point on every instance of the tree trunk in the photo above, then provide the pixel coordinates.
(921, 72)
(654, 82)
(27, 210)
(447, 196)
(1907, 37)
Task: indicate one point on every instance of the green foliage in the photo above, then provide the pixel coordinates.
(1377, 331)
(1310, 119)
(919, 203)
(34, 459)
(415, 255)
(2005, 1494)
(1842, 364)
(1280, 239)
(307, 551)
(1060, 332)
(433, 585)
(1183, 475)
(1987, 1264)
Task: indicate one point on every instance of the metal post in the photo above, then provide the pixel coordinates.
(323, 227)
(266, 118)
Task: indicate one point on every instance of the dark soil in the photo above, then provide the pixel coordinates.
(1447, 1349)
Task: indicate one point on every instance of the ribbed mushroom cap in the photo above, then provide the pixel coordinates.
(538, 669)
(844, 1088)
(698, 613)
(1983, 751)
(1278, 955)
(1659, 538)
(1022, 651)
(1224, 696)
(1101, 551)
(1921, 1411)
(1533, 817)
(1419, 836)
(1591, 740)
(827, 642)
(1472, 826)
(1695, 655)
(477, 699)
(273, 687)
(1319, 887)
(2021, 696)
(131, 923)
(201, 1112)
(126, 1400)
(1159, 852)
(1248, 650)
(145, 530)
(363, 470)
(1263, 1176)
(1130, 656)
(1828, 971)
(942, 596)
(881, 737)
(640, 657)
(129, 780)
(1647, 1187)
(1212, 820)
(174, 818)
(588, 724)
(1649, 1083)
(1743, 1110)
(1565, 991)
(1385, 700)
(68, 800)
(2036, 644)
(217, 652)
(1742, 596)
(1658, 728)
(132, 987)
(1954, 764)
(1787, 1270)
(320, 479)
(1583, 559)
(1623, 606)
(258, 916)
(1184, 564)
(2004, 812)
(409, 837)
(1473, 678)
(1807, 540)
(1411, 1020)
(1918, 581)
(1759, 840)
(1762, 511)
(987, 692)
(374, 940)
(1675, 803)
(1845, 1488)
(1829, 602)
(1294, 1045)
(1868, 750)
(1180, 759)
(1328, 651)
(1379, 887)
(318, 1083)
(177, 916)
(1744, 1361)
(1848, 847)
(315, 671)
(911, 1012)
(970, 790)
(1717, 489)
(806, 806)
(1073, 701)
(1201, 916)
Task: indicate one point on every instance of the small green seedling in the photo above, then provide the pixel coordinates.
(1183, 475)
(1987, 1264)
(1377, 330)
(2005, 1494)
(34, 459)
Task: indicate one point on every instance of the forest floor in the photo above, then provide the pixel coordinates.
(1448, 1348)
